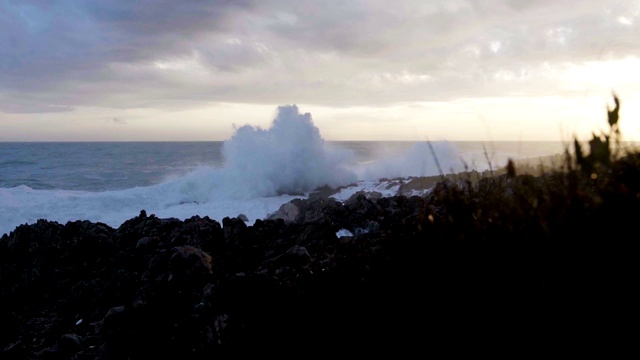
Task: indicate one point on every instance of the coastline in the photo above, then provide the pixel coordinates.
(452, 260)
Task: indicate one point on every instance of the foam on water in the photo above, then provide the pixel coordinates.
(262, 169)
(290, 157)
(421, 159)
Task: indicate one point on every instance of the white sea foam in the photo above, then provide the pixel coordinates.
(421, 159)
(289, 157)
(262, 169)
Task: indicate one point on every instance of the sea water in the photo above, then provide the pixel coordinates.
(252, 173)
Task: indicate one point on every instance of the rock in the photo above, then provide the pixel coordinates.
(288, 212)
(414, 272)
(68, 345)
(190, 261)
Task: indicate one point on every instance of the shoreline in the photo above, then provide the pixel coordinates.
(454, 260)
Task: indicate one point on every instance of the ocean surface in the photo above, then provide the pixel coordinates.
(252, 173)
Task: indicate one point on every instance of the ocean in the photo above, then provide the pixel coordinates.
(252, 173)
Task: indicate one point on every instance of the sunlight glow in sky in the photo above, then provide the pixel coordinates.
(365, 70)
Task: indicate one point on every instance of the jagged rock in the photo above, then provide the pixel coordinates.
(189, 262)
(233, 230)
(418, 271)
(288, 212)
(69, 345)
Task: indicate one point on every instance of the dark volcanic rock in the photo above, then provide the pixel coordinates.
(518, 255)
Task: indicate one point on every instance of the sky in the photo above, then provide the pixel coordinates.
(193, 70)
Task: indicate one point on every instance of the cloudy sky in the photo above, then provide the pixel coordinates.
(73, 70)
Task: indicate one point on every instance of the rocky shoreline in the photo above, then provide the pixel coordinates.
(467, 264)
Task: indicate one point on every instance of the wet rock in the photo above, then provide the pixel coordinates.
(415, 271)
(288, 212)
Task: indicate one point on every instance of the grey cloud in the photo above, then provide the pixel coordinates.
(234, 54)
(28, 107)
(116, 120)
(55, 40)
(68, 53)
(60, 50)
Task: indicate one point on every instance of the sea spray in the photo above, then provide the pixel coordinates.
(289, 157)
(248, 173)
(417, 160)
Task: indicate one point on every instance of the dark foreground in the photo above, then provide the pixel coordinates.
(540, 261)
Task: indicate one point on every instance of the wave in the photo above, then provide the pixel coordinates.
(262, 169)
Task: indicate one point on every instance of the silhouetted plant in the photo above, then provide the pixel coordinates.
(600, 152)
